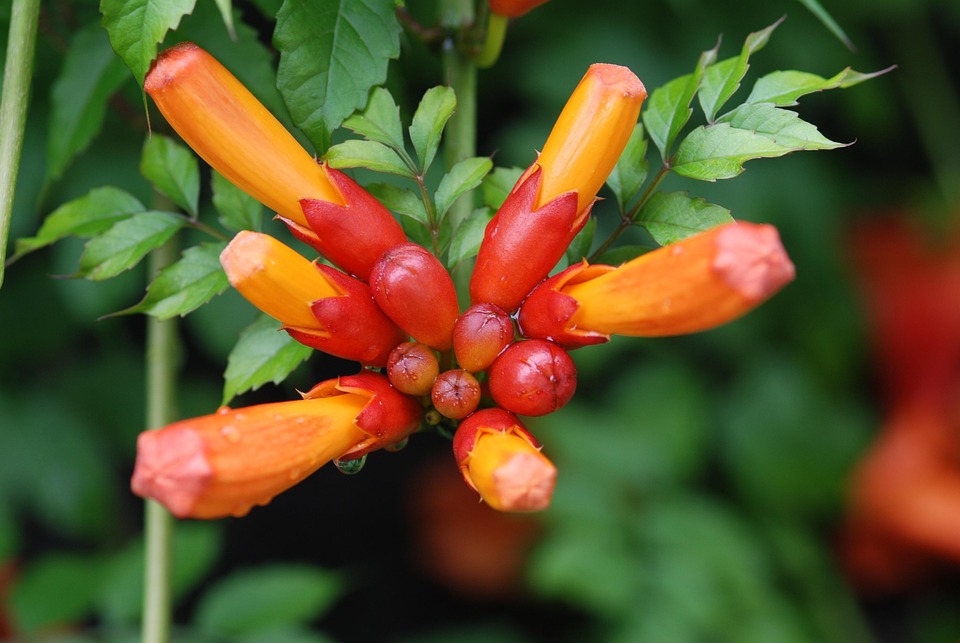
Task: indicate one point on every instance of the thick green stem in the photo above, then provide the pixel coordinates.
(13, 108)
(493, 41)
(163, 347)
(460, 135)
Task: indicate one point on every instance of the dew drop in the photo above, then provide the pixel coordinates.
(350, 467)
(294, 473)
(397, 446)
(230, 433)
(223, 410)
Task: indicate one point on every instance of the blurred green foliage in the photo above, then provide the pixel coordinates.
(701, 477)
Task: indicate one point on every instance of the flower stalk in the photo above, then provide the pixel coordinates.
(17, 74)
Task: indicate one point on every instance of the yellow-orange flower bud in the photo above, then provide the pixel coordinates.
(502, 461)
(318, 305)
(590, 134)
(276, 279)
(225, 463)
(232, 131)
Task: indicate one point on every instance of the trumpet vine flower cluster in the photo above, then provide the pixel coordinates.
(392, 306)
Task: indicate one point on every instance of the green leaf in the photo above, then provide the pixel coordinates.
(226, 12)
(184, 286)
(783, 88)
(136, 27)
(173, 171)
(749, 132)
(368, 154)
(91, 73)
(462, 177)
(85, 216)
(468, 235)
(254, 600)
(379, 121)
(623, 254)
(126, 243)
(238, 210)
(400, 200)
(56, 589)
(817, 10)
(498, 184)
(262, 354)
(331, 53)
(673, 216)
(783, 126)
(668, 108)
(435, 108)
(721, 80)
(630, 172)
(196, 548)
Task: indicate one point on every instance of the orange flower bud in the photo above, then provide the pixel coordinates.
(317, 305)
(551, 202)
(222, 464)
(590, 134)
(232, 131)
(412, 367)
(480, 334)
(387, 418)
(514, 8)
(502, 461)
(696, 284)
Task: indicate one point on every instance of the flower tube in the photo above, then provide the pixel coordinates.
(696, 284)
(502, 461)
(317, 305)
(551, 202)
(232, 131)
(224, 463)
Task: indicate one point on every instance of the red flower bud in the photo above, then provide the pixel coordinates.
(514, 8)
(481, 333)
(502, 461)
(412, 368)
(414, 289)
(533, 377)
(318, 305)
(353, 235)
(522, 244)
(456, 394)
(387, 418)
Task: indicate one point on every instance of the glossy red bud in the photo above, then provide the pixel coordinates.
(414, 289)
(456, 394)
(481, 333)
(533, 377)
(353, 235)
(412, 368)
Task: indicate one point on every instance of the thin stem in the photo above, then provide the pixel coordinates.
(17, 74)
(630, 217)
(493, 41)
(162, 352)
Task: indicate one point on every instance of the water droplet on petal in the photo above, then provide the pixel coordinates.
(294, 473)
(350, 467)
(230, 433)
(223, 410)
(397, 446)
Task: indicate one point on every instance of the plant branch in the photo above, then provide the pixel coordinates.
(17, 74)
(163, 347)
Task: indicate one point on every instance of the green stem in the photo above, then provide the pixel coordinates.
(460, 135)
(493, 42)
(162, 352)
(13, 107)
(629, 218)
